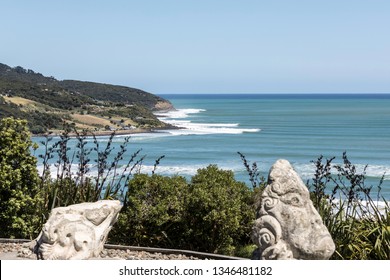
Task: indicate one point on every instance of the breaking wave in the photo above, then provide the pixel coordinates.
(187, 127)
(373, 171)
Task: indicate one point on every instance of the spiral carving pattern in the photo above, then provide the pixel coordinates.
(267, 231)
(269, 202)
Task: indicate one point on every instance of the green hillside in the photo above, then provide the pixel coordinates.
(47, 103)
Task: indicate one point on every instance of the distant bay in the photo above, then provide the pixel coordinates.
(266, 127)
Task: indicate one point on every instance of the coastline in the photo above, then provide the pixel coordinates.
(57, 133)
(108, 133)
(121, 132)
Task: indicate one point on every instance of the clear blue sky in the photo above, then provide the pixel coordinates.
(204, 46)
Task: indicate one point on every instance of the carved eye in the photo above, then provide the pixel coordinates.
(294, 200)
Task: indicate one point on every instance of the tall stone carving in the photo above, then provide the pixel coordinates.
(78, 231)
(288, 225)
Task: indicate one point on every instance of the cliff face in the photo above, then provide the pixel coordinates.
(47, 102)
(163, 105)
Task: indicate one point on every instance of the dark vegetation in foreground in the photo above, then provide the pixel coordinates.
(211, 212)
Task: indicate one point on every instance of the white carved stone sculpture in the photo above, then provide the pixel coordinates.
(78, 231)
(289, 227)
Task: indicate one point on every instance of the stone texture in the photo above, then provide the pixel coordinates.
(78, 231)
(288, 225)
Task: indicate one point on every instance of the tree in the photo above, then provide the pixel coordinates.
(19, 181)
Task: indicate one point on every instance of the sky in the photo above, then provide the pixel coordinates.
(204, 46)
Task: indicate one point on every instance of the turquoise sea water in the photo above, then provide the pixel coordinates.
(295, 127)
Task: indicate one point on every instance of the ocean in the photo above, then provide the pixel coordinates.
(267, 127)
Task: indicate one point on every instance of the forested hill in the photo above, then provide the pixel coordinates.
(47, 103)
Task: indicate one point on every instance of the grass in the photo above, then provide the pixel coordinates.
(21, 101)
(90, 121)
(98, 123)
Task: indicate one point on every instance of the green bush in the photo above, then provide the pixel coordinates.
(19, 216)
(153, 212)
(220, 211)
(213, 213)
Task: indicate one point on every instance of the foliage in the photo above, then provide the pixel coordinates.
(69, 93)
(73, 182)
(137, 113)
(212, 213)
(220, 212)
(38, 122)
(153, 212)
(53, 101)
(18, 181)
(359, 226)
(112, 93)
(258, 181)
(245, 251)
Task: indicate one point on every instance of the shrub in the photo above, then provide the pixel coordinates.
(219, 211)
(153, 212)
(213, 213)
(19, 179)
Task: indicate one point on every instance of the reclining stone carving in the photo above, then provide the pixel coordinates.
(78, 231)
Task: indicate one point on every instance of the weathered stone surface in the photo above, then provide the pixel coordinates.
(289, 227)
(78, 231)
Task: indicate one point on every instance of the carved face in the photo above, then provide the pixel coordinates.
(65, 236)
(286, 202)
(303, 230)
(78, 231)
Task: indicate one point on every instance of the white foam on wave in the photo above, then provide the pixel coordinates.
(177, 118)
(374, 171)
(179, 113)
(210, 130)
(166, 170)
(185, 170)
(366, 208)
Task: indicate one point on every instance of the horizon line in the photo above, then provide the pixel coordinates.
(279, 93)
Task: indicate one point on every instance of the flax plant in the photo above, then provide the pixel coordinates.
(73, 180)
(359, 225)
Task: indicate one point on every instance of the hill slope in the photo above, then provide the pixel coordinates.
(47, 103)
